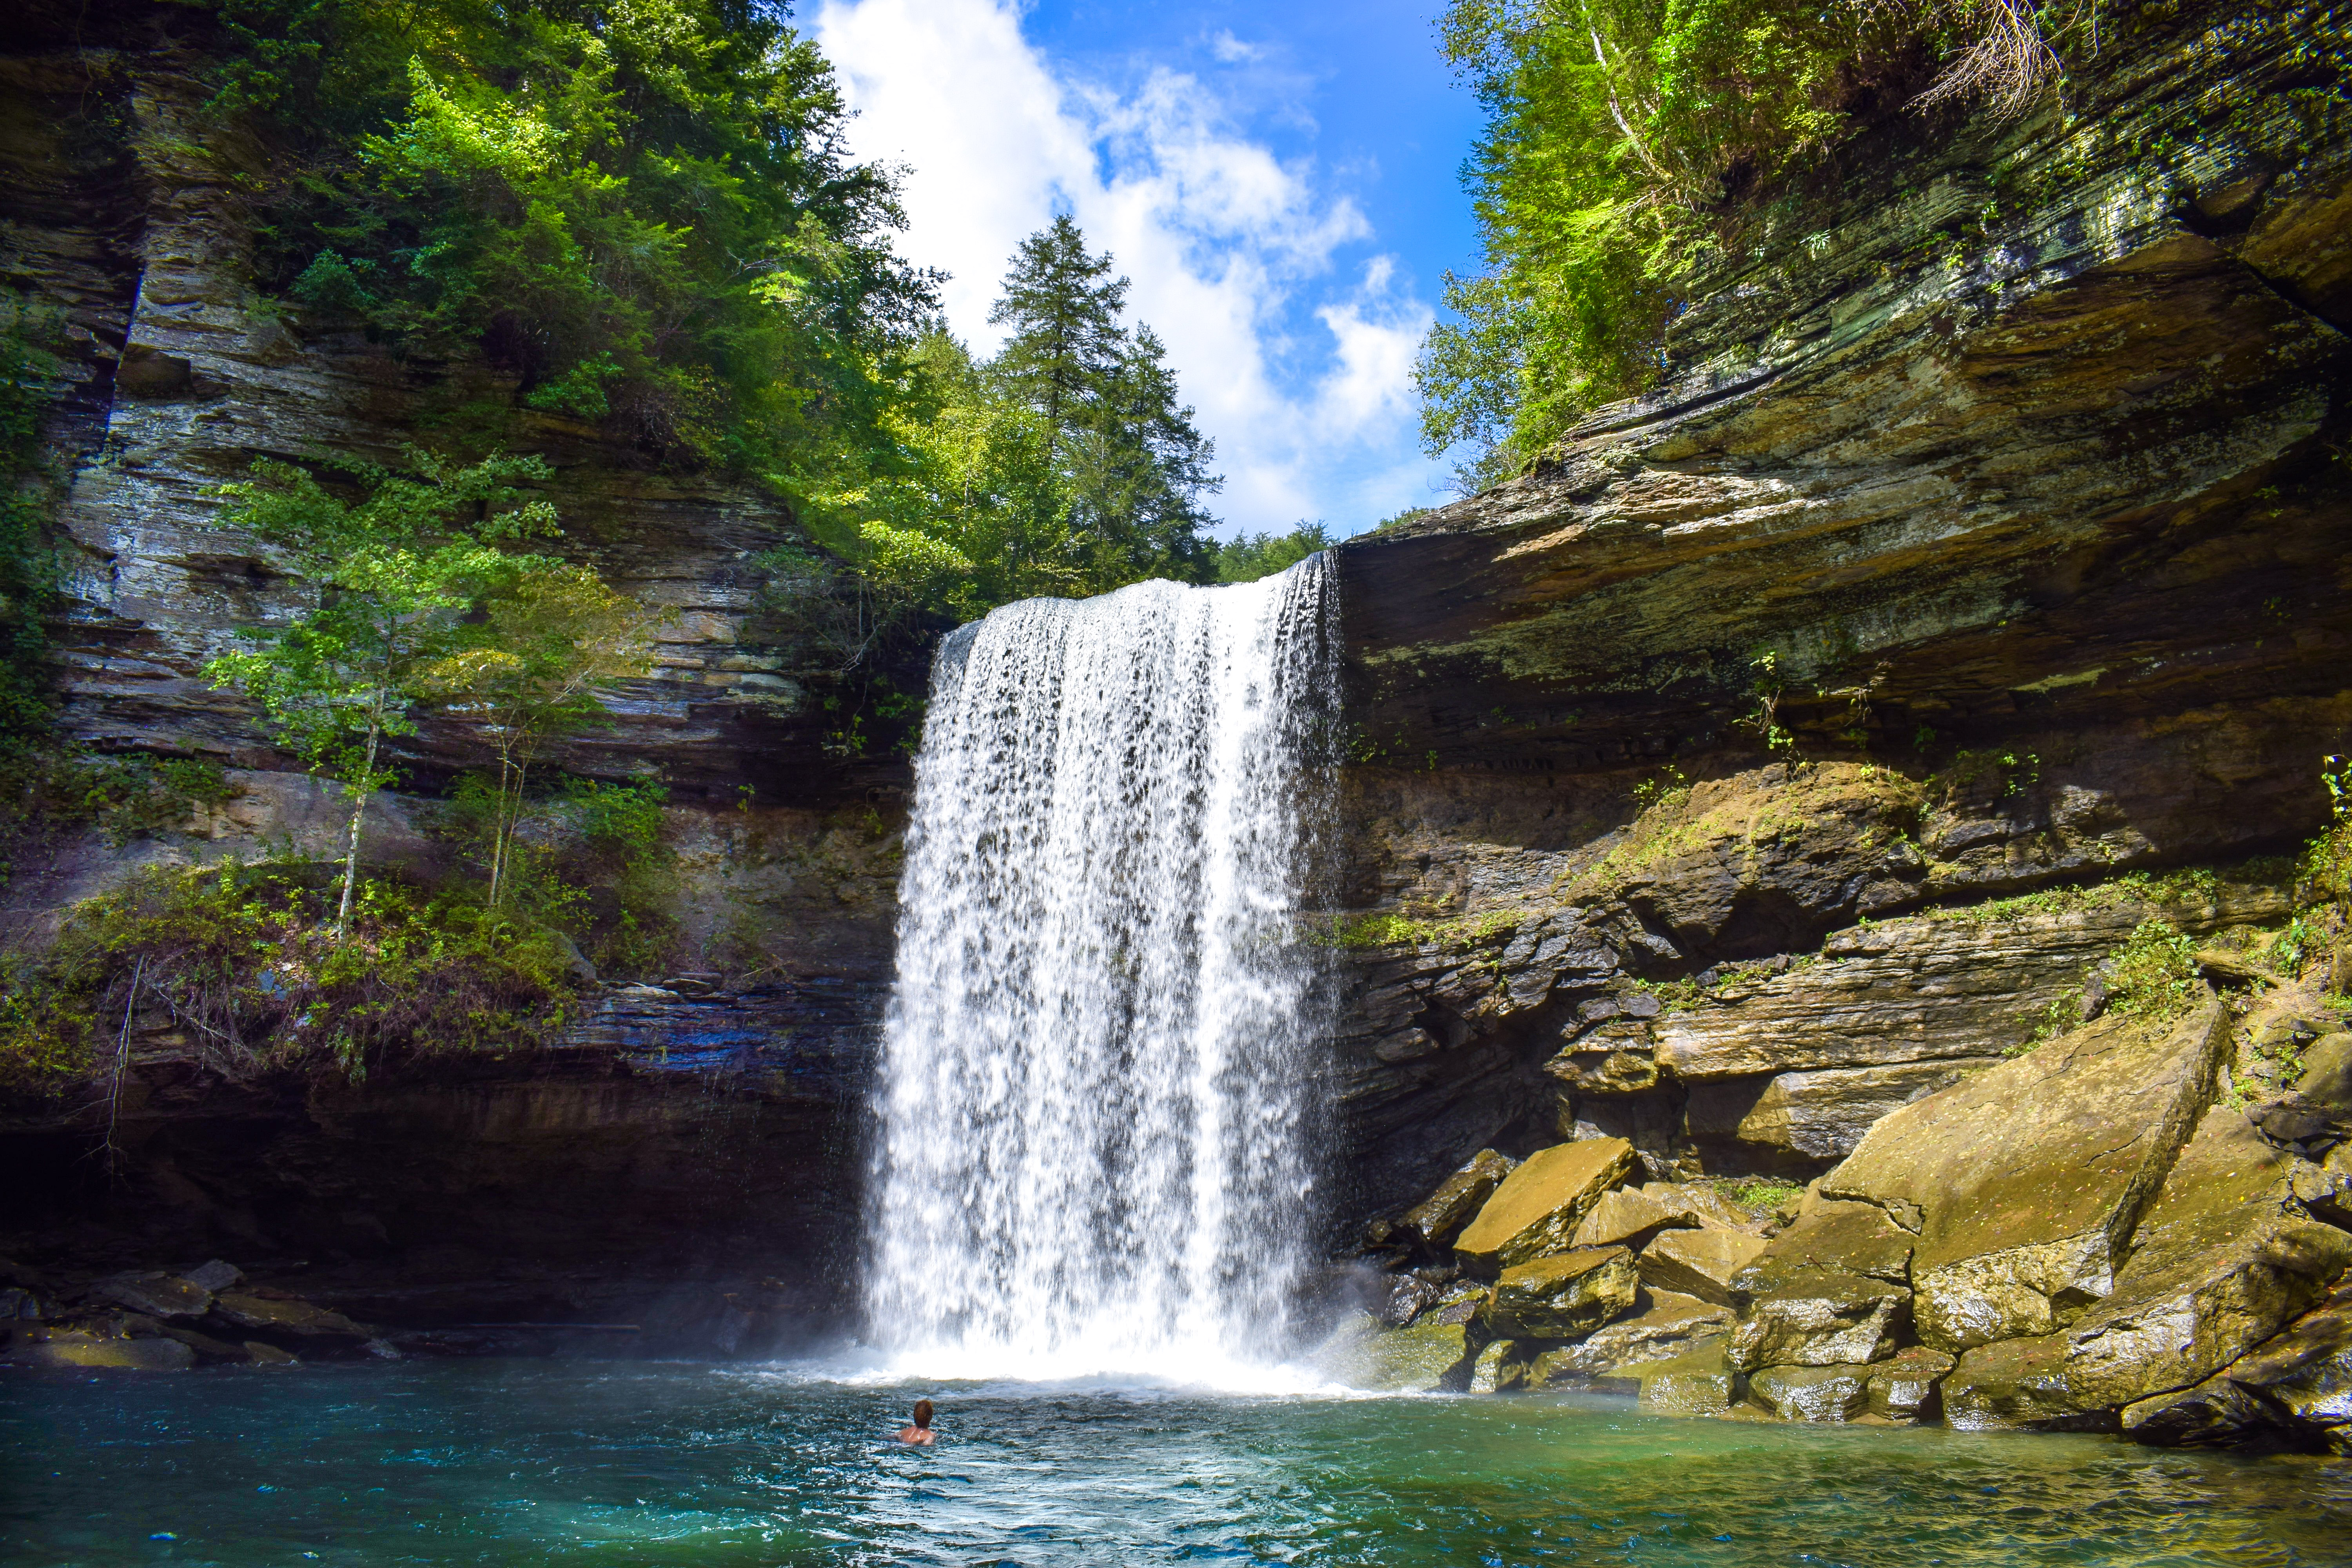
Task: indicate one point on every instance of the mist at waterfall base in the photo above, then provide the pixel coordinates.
(1096, 1151)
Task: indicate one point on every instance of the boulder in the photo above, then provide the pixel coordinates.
(1408, 1299)
(214, 1274)
(2017, 1383)
(1794, 1119)
(1536, 1209)
(2327, 1079)
(72, 1349)
(2295, 1388)
(272, 1315)
(2225, 1257)
(156, 1294)
(265, 1355)
(1630, 1216)
(1699, 1383)
(1499, 1367)
(2024, 1184)
(1456, 1201)
(1700, 1263)
(1902, 1387)
(1666, 1325)
(1418, 1360)
(1817, 1318)
(1811, 1393)
(1559, 1297)
(2210, 1280)
(1844, 1238)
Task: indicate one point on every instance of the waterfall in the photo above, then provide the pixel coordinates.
(1094, 1150)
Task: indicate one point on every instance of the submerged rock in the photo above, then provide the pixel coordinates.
(1536, 1208)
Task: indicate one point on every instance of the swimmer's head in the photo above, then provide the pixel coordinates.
(923, 1414)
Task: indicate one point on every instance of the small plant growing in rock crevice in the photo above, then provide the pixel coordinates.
(2153, 977)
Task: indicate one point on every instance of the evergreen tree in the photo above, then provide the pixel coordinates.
(1130, 462)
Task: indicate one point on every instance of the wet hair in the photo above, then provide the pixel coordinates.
(923, 1413)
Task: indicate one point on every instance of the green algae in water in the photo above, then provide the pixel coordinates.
(553, 1462)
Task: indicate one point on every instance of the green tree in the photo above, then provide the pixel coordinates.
(1247, 557)
(1119, 440)
(529, 670)
(645, 213)
(1629, 145)
(390, 579)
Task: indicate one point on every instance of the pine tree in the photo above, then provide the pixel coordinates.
(1066, 342)
(1128, 459)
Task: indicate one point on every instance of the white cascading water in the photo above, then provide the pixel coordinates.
(1094, 1111)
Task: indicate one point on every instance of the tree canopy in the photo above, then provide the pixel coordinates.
(1629, 143)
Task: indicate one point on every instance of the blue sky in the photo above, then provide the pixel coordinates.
(1280, 185)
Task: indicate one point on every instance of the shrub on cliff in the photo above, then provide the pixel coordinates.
(239, 963)
(1629, 143)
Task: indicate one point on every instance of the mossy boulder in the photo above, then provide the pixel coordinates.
(1848, 1237)
(2023, 1184)
(73, 1350)
(1422, 1359)
(1536, 1209)
(1699, 1383)
(1562, 1297)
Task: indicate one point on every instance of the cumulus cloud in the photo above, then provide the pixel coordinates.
(1294, 345)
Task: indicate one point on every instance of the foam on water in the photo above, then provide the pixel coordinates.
(1096, 1150)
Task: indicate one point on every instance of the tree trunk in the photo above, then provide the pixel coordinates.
(361, 791)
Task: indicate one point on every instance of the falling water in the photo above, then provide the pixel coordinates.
(1094, 1151)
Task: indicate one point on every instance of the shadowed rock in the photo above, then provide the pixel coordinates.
(1458, 1199)
(1902, 1387)
(2294, 1388)
(1557, 1298)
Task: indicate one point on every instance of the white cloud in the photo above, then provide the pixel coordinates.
(1297, 356)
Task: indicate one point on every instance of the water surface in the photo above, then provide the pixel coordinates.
(529, 1462)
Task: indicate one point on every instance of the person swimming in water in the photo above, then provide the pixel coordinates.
(920, 1432)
